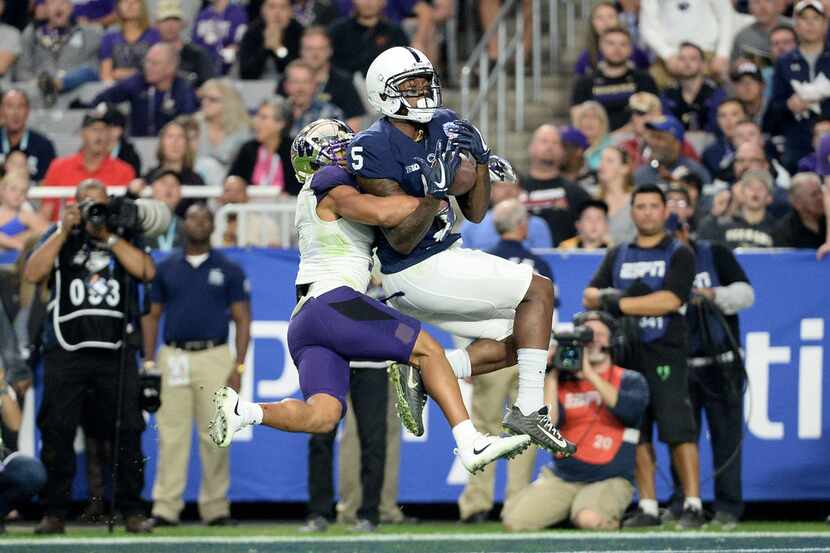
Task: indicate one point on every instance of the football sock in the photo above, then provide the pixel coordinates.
(464, 433)
(693, 503)
(531, 394)
(251, 413)
(649, 507)
(460, 362)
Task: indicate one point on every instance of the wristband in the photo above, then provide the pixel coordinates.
(240, 368)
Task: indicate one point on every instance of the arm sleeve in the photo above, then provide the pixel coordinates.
(604, 278)
(105, 51)
(735, 292)
(156, 289)
(725, 19)
(680, 274)
(632, 399)
(238, 287)
(116, 94)
(652, 30)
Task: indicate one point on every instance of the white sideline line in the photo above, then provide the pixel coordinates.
(385, 538)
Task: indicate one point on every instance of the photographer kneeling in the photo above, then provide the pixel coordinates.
(599, 408)
(93, 309)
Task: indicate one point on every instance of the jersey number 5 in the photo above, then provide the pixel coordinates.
(356, 153)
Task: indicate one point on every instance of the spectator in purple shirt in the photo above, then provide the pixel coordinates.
(219, 29)
(604, 16)
(122, 51)
(98, 12)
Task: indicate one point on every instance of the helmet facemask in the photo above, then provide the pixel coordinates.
(425, 104)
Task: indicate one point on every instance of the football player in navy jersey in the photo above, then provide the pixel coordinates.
(335, 322)
(415, 149)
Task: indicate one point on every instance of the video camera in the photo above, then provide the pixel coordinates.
(570, 348)
(125, 216)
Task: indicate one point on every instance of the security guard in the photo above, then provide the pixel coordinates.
(650, 279)
(200, 291)
(91, 304)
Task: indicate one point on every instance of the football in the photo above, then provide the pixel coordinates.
(465, 176)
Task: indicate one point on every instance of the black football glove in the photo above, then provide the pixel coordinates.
(465, 136)
(150, 390)
(437, 177)
(609, 301)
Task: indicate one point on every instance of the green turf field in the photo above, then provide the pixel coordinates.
(760, 537)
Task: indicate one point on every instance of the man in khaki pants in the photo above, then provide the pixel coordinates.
(200, 292)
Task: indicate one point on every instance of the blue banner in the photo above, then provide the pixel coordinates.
(785, 452)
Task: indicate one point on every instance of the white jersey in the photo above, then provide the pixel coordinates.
(332, 253)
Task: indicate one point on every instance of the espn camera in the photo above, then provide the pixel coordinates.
(570, 344)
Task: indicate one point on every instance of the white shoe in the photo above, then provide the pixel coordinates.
(486, 449)
(226, 420)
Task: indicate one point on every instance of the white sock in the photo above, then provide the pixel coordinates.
(460, 362)
(464, 433)
(694, 503)
(251, 413)
(649, 506)
(531, 395)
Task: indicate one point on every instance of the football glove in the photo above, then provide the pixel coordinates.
(150, 389)
(609, 301)
(463, 135)
(437, 176)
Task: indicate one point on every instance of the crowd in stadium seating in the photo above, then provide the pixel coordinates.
(695, 95)
(685, 94)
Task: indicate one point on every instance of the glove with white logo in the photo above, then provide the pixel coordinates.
(463, 135)
(437, 176)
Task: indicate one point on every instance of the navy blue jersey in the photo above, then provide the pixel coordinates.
(384, 152)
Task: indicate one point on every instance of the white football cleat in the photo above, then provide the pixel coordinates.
(226, 420)
(486, 449)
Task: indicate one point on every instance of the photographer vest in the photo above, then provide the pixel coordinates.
(596, 431)
(88, 300)
(706, 276)
(638, 272)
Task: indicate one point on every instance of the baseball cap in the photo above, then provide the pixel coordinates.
(823, 156)
(667, 123)
(169, 9)
(747, 69)
(645, 102)
(804, 4)
(572, 136)
(95, 115)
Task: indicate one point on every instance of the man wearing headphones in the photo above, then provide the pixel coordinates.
(600, 409)
(716, 372)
